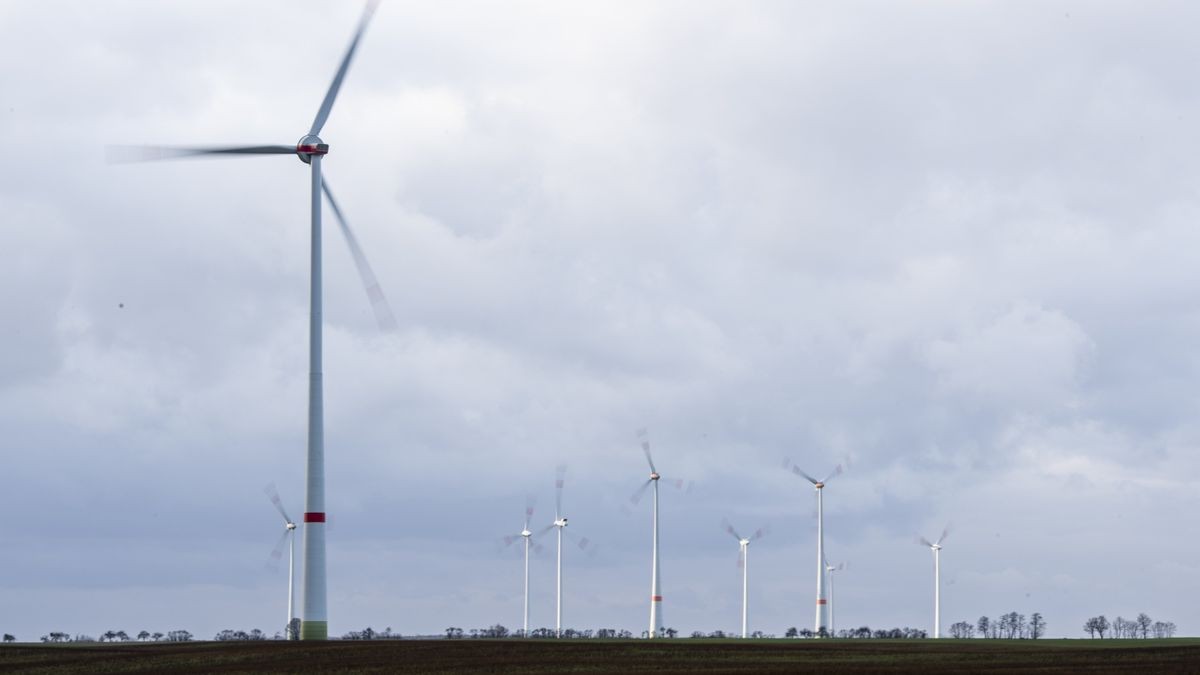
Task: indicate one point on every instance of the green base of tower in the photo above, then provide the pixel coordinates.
(314, 630)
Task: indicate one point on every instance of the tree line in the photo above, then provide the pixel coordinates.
(1142, 627)
(115, 636)
(1011, 626)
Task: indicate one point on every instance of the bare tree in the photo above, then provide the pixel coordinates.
(1037, 626)
(962, 630)
(1143, 623)
(983, 625)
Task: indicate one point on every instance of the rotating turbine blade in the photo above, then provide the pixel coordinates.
(837, 470)
(542, 531)
(277, 552)
(530, 502)
(729, 528)
(924, 542)
(797, 470)
(636, 497)
(273, 494)
(379, 303)
(560, 473)
(331, 95)
(123, 154)
(760, 533)
(646, 449)
(945, 533)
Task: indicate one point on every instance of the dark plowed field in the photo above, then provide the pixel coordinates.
(616, 656)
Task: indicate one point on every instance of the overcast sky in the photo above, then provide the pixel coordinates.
(949, 244)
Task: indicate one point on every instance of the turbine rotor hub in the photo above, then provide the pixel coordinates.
(819, 485)
(654, 475)
(291, 526)
(526, 533)
(311, 145)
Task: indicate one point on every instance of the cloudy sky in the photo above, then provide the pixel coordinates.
(948, 244)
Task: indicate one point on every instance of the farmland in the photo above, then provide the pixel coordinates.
(598, 656)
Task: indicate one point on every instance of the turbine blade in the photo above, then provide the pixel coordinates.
(760, 533)
(725, 525)
(924, 542)
(273, 494)
(379, 303)
(560, 474)
(277, 552)
(636, 497)
(331, 95)
(945, 533)
(836, 471)
(646, 449)
(530, 502)
(124, 154)
(799, 472)
(544, 530)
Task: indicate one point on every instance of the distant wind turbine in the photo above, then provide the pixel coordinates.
(936, 547)
(527, 537)
(560, 522)
(289, 534)
(310, 149)
(829, 570)
(744, 562)
(819, 485)
(656, 618)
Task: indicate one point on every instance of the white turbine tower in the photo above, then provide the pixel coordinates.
(289, 533)
(744, 562)
(936, 547)
(527, 536)
(829, 570)
(560, 522)
(656, 618)
(310, 149)
(819, 485)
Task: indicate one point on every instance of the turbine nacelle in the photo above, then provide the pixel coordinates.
(526, 533)
(818, 485)
(291, 526)
(311, 145)
(561, 522)
(654, 475)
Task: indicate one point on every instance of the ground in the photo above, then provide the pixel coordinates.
(623, 656)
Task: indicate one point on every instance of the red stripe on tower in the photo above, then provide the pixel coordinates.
(314, 517)
(821, 601)
(656, 598)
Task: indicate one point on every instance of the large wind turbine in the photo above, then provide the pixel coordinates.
(744, 562)
(819, 485)
(310, 149)
(656, 619)
(527, 536)
(936, 547)
(829, 570)
(289, 533)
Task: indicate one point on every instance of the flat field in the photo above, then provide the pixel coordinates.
(608, 656)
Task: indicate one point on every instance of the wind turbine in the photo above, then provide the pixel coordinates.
(527, 536)
(560, 522)
(656, 619)
(819, 485)
(289, 533)
(310, 149)
(829, 570)
(744, 562)
(936, 547)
